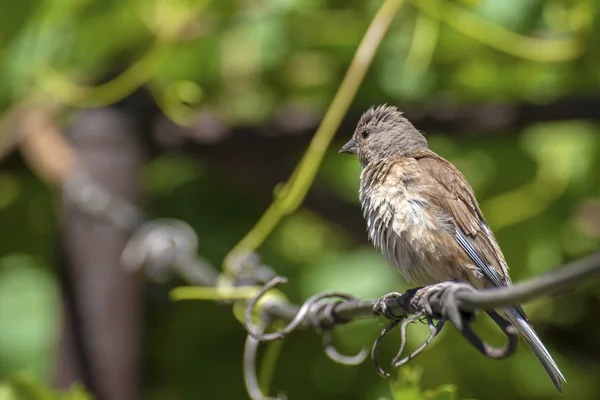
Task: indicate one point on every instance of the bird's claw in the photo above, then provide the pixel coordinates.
(447, 293)
(381, 308)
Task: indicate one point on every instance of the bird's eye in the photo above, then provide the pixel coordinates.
(365, 134)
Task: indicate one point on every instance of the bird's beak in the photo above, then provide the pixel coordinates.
(349, 148)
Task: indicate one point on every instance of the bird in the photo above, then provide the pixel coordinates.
(422, 214)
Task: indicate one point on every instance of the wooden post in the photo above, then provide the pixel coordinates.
(102, 321)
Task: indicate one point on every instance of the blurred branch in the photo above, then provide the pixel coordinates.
(499, 38)
(424, 40)
(533, 198)
(250, 376)
(9, 133)
(175, 99)
(269, 364)
(289, 197)
(72, 94)
(292, 128)
(43, 145)
(212, 139)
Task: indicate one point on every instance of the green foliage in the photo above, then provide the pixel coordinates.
(248, 61)
(23, 387)
(29, 306)
(406, 387)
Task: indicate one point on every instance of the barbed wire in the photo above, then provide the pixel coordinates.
(165, 247)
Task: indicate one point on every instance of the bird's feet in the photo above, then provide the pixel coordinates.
(447, 293)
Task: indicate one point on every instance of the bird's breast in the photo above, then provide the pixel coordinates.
(400, 224)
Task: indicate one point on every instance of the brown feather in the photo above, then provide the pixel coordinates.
(454, 196)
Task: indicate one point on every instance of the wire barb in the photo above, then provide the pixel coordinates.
(403, 340)
(258, 333)
(434, 330)
(447, 294)
(390, 327)
(250, 376)
(339, 358)
(325, 319)
(318, 318)
(489, 350)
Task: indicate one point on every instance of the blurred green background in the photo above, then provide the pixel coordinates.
(252, 78)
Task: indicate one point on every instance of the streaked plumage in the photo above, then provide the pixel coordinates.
(423, 216)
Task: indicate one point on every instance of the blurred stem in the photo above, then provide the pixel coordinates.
(25, 386)
(471, 24)
(424, 41)
(108, 93)
(9, 136)
(566, 17)
(44, 146)
(551, 181)
(172, 108)
(269, 362)
(172, 22)
(213, 293)
(525, 202)
(291, 195)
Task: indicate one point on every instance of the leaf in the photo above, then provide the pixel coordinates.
(444, 392)
(29, 306)
(406, 387)
(25, 387)
(408, 393)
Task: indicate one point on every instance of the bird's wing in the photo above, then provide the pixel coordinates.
(454, 197)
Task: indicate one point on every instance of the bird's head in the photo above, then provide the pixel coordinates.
(381, 132)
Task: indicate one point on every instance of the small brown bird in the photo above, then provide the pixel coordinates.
(422, 214)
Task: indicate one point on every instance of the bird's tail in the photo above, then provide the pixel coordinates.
(535, 344)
